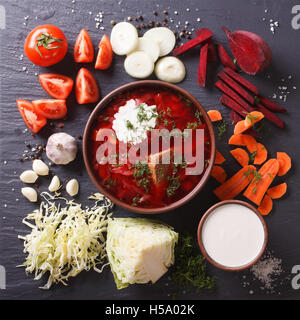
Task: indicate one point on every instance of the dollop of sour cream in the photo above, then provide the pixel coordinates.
(132, 122)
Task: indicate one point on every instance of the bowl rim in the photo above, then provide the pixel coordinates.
(203, 250)
(103, 103)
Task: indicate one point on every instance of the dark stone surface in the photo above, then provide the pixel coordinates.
(283, 223)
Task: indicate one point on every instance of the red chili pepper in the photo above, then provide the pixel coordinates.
(207, 34)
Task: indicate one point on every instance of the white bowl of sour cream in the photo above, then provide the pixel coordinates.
(232, 235)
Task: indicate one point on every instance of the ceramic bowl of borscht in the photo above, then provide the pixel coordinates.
(149, 146)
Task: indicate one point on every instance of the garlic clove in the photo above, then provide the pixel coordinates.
(40, 167)
(55, 184)
(30, 194)
(72, 187)
(29, 176)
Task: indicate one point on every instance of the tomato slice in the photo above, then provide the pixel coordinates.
(86, 87)
(32, 119)
(105, 54)
(56, 85)
(83, 50)
(51, 108)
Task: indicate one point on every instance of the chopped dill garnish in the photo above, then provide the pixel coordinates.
(222, 128)
(129, 125)
(250, 117)
(192, 125)
(174, 185)
(140, 170)
(252, 156)
(190, 267)
(198, 116)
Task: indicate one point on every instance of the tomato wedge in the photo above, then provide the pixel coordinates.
(83, 50)
(105, 54)
(51, 108)
(56, 85)
(86, 87)
(32, 119)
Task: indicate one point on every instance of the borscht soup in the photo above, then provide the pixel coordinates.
(149, 147)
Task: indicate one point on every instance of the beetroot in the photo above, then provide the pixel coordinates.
(225, 59)
(204, 36)
(250, 50)
(203, 66)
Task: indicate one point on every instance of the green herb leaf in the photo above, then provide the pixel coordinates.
(44, 40)
(222, 128)
(190, 267)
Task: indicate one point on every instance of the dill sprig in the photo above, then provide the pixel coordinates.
(190, 268)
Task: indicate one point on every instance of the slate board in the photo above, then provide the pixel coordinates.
(15, 83)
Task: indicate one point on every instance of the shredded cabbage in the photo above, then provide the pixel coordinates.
(65, 241)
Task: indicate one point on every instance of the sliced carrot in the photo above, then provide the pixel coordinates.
(214, 115)
(285, 163)
(261, 182)
(241, 156)
(250, 143)
(244, 140)
(266, 205)
(237, 140)
(251, 118)
(261, 154)
(219, 158)
(278, 191)
(236, 184)
(219, 174)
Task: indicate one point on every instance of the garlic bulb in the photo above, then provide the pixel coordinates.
(61, 148)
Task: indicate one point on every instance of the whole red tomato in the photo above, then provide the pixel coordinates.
(46, 45)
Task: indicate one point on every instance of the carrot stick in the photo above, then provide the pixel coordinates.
(221, 85)
(270, 116)
(237, 87)
(219, 174)
(219, 158)
(214, 115)
(236, 184)
(203, 66)
(271, 105)
(237, 77)
(278, 191)
(261, 154)
(266, 205)
(206, 34)
(241, 156)
(285, 163)
(261, 182)
(230, 103)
